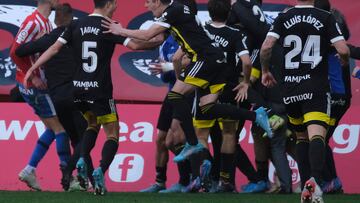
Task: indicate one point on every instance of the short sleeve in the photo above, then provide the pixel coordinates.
(169, 17)
(241, 47)
(334, 32)
(276, 28)
(66, 36)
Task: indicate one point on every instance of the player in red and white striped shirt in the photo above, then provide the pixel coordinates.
(33, 25)
(36, 95)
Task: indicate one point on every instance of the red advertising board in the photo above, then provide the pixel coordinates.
(131, 78)
(133, 167)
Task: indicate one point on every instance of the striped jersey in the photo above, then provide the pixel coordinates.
(29, 29)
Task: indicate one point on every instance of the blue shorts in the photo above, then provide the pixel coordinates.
(39, 100)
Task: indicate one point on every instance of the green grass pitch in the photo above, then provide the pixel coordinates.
(85, 197)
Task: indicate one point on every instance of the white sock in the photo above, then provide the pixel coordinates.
(29, 168)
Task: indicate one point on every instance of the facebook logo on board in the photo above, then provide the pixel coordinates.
(126, 168)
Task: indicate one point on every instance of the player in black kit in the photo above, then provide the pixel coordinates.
(93, 51)
(305, 33)
(206, 70)
(232, 42)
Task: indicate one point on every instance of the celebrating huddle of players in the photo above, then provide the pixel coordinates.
(221, 74)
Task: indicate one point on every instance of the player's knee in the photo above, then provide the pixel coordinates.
(54, 124)
(229, 128)
(169, 142)
(113, 137)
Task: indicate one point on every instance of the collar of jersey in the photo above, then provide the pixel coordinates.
(96, 14)
(304, 6)
(217, 26)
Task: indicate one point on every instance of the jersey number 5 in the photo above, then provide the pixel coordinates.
(310, 54)
(86, 54)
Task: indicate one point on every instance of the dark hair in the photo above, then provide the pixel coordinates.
(65, 8)
(101, 3)
(63, 14)
(219, 9)
(322, 4)
(191, 4)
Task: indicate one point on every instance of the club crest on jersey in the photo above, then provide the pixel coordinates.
(12, 14)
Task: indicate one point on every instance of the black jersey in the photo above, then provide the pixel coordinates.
(305, 33)
(232, 42)
(249, 15)
(59, 69)
(189, 33)
(93, 51)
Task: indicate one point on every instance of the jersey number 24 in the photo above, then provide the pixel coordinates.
(310, 54)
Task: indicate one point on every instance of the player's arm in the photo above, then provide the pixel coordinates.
(178, 61)
(267, 79)
(243, 87)
(265, 57)
(46, 56)
(25, 33)
(145, 35)
(343, 51)
(337, 40)
(40, 45)
(354, 51)
(243, 53)
(136, 44)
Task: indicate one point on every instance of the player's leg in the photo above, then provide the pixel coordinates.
(216, 141)
(161, 155)
(202, 166)
(262, 156)
(317, 119)
(259, 116)
(161, 160)
(228, 147)
(74, 125)
(332, 182)
(106, 114)
(242, 161)
(175, 142)
(279, 159)
(205, 161)
(84, 165)
(43, 107)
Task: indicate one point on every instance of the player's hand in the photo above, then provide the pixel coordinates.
(113, 27)
(38, 83)
(268, 79)
(155, 68)
(242, 90)
(28, 77)
(355, 71)
(342, 61)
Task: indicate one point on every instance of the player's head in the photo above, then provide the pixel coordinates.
(156, 6)
(323, 4)
(63, 15)
(219, 9)
(191, 4)
(108, 7)
(53, 3)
